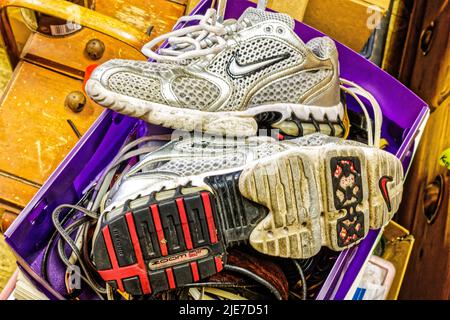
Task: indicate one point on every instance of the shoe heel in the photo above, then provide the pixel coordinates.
(286, 185)
(161, 245)
(386, 188)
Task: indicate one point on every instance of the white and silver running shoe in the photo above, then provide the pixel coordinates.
(228, 78)
(174, 213)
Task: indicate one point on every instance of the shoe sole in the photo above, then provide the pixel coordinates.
(307, 119)
(297, 225)
(156, 245)
(160, 245)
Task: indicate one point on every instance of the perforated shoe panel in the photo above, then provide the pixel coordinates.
(253, 51)
(195, 166)
(289, 89)
(136, 86)
(195, 93)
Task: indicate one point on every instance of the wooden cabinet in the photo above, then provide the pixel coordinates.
(34, 132)
(425, 210)
(37, 127)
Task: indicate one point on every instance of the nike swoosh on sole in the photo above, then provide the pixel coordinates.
(384, 191)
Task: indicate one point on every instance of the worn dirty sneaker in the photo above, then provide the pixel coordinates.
(169, 220)
(230, 78)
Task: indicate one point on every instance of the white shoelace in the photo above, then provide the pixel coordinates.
(207, 37)
(354, 90)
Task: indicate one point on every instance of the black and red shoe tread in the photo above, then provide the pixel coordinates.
(182, 224)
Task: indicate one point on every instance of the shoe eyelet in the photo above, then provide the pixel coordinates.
(268, 29)
(280, 30)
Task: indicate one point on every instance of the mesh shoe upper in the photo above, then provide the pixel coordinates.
(263, 63)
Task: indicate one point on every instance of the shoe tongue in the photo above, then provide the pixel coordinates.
(258, 15)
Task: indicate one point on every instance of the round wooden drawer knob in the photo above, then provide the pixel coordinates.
(75, 101)
(95, 49)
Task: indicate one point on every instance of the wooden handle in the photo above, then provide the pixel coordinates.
(432, 199)
(85, 17)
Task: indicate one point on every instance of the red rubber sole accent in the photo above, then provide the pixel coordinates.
(161, 245)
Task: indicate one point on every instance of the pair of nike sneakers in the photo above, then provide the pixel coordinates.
(168, 220)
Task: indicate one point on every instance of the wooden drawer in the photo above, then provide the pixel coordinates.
(67, 54)
(58, 45)
(15, 192)
(34, 133)
(427, 277)
(36, 128)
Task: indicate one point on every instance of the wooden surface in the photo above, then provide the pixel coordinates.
(343, 20)
(34, 133)
(68, 54)
(161, 14)
(5, 70)
(15, 193)
(431, 75)
(7, 261)
(296, 9)
(395, 41)
(85, 17)
(428, 275)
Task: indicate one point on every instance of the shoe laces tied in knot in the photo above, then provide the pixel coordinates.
(207, 37)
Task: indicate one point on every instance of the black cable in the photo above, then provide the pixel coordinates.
(83, 254)
(47, 251)
(85, 249)
(83, 257)
(212, 284)
(69, 240)
(255, 277)
(299, 125)
(61, 251)
(302, 276)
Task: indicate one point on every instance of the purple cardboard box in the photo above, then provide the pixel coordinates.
(404, 116)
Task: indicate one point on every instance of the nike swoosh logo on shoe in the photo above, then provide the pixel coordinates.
(237, 70)
(384, 191)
